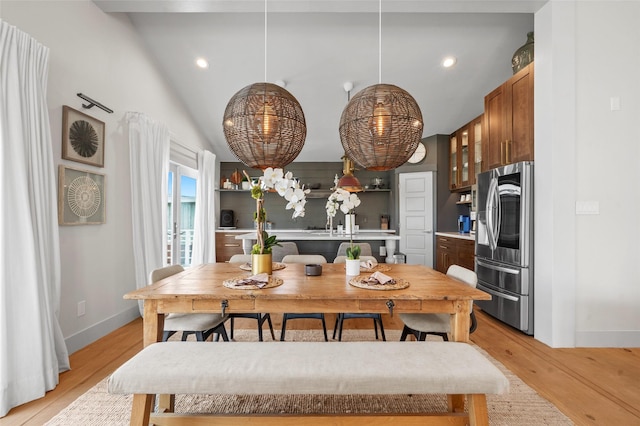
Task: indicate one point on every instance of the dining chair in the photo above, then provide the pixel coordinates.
(285, 248)
(365, 249)
(240, 258)
(377, 318)
(420, 325)
(201, 325)
(260, 317)
(306, 259)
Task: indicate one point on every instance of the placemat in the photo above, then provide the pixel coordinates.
(232, 283)
(380, 267)
(276, 266)
(360, 281)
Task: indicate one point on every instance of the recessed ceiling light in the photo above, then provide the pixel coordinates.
(202, 63)
(449, 61)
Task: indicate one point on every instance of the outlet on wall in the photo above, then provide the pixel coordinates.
(383, 251)
(81, 308)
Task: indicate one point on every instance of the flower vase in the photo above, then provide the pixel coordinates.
(353, 266)
(261, 263)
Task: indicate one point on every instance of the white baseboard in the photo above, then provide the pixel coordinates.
(89, 335)
(608, 339)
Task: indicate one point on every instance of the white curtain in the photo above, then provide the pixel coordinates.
(149, 143)
(32, 348)
(204, 240)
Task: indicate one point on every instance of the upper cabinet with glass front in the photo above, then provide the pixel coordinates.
(464, 154)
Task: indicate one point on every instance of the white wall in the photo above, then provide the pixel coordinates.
(101, 56)
(587, 291)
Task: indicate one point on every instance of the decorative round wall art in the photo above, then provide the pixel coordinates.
(82, 137)
(83, 196)
(80, 197)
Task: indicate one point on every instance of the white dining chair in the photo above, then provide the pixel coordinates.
(201, 325)
(420, 325)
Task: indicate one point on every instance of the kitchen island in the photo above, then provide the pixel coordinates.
(388, 236)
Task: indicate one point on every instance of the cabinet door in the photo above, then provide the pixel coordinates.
(453, 162)
(475, 129)
(466, 252)
(520, 116)
(494, 128)
(464, 161)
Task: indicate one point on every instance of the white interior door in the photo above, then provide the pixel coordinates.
(416, 217)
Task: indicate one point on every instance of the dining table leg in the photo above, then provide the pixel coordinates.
(153, 323)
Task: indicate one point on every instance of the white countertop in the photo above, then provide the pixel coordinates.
(319, 235)
(458, 235)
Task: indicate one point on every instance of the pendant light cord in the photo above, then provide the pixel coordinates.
(380, 42)
(265, 41)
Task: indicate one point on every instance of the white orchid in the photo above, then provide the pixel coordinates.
(286, 186)
(349, 202)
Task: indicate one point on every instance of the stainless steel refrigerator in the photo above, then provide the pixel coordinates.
(504, 243)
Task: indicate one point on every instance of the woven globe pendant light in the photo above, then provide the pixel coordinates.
(264, 126)
(381, 127)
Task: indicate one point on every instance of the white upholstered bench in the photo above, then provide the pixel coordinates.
(455, 369)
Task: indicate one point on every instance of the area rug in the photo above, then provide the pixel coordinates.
(522, 406)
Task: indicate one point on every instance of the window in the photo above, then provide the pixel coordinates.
(181, 206)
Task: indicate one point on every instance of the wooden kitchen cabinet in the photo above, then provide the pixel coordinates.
(454, 251)
(508, 121)
(465, 151)
(227, 245)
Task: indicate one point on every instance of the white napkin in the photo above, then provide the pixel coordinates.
(368, 264)
(380, 278)
(259, 280)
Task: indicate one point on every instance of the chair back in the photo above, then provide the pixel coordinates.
(304, 258)
(285, 248)
(365, 249)
(463, 274)
(240, 258)
(167, 271)
(343, 259)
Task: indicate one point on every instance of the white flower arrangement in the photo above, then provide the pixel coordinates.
(349, 202)
(288, 188)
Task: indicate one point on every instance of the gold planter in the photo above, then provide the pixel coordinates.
(261, 263)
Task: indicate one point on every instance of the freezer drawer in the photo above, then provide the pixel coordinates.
(513, 279)
(513, 309)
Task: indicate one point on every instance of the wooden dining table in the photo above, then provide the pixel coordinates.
(200, 289)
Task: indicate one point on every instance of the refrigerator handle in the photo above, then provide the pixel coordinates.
(491, 217)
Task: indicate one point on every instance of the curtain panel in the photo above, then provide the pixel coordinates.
(32, 348)
(204, 239)
(149, 144)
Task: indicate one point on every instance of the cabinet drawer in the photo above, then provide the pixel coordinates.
(233, 305)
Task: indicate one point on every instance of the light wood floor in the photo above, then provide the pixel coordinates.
(591, 386)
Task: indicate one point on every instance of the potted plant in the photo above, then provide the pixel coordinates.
(288, 188)
(349, 202)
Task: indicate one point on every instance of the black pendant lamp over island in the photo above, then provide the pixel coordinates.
(381, 126)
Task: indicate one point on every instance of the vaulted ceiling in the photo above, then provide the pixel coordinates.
(317, 46)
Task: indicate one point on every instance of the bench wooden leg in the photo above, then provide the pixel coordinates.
(141, 409)
(166, 403)
(456, 403)
(478, 413)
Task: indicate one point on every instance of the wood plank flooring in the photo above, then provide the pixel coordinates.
(591, 386)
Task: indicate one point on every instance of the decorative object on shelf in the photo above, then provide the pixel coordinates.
(524, 55)
(82, 137)
(382, 125)
(288, 188)
(263, 123)
(80, 197)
